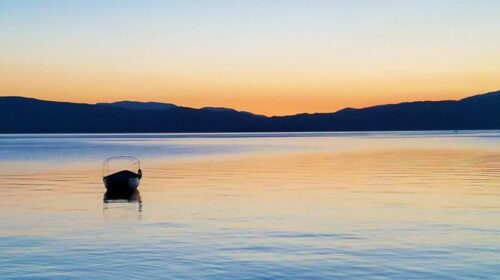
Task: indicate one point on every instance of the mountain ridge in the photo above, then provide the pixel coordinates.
(31, 115)
(136, 105)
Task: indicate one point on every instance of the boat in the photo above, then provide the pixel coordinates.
(121, 174)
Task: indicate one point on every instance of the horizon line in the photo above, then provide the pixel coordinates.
(243, 111)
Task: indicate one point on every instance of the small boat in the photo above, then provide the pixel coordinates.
(121, 174)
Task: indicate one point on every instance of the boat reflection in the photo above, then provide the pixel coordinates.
(122, 197)
(122, 203)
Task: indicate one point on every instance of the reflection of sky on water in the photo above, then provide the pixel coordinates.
(99, 146)
(385, 205)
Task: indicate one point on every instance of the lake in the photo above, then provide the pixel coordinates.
(371, 205)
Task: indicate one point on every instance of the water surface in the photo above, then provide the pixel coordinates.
(393, 205)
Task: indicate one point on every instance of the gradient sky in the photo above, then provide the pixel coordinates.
(270, 57)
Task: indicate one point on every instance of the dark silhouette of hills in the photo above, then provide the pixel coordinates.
(161, 106)
(140, 105)
(223, 109)
(28, 115)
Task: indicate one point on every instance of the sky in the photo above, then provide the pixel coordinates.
(268, 57)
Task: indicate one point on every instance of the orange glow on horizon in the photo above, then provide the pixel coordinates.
(282, 96)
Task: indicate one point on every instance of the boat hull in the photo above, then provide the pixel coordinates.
(122, 182)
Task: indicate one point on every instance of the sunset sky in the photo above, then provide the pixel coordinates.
(269, 57)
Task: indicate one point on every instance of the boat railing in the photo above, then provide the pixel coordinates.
(136, 164)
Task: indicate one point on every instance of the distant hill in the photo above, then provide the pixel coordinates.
(28, 115)
(222, 109)
(475, 112)
(140, 105)
(135, 105)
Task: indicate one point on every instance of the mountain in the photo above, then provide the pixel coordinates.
(28, 115)
(140, 105)
(135, 105)
(223, 109)
(475, 112)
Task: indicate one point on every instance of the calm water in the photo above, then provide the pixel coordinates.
(421, 205)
